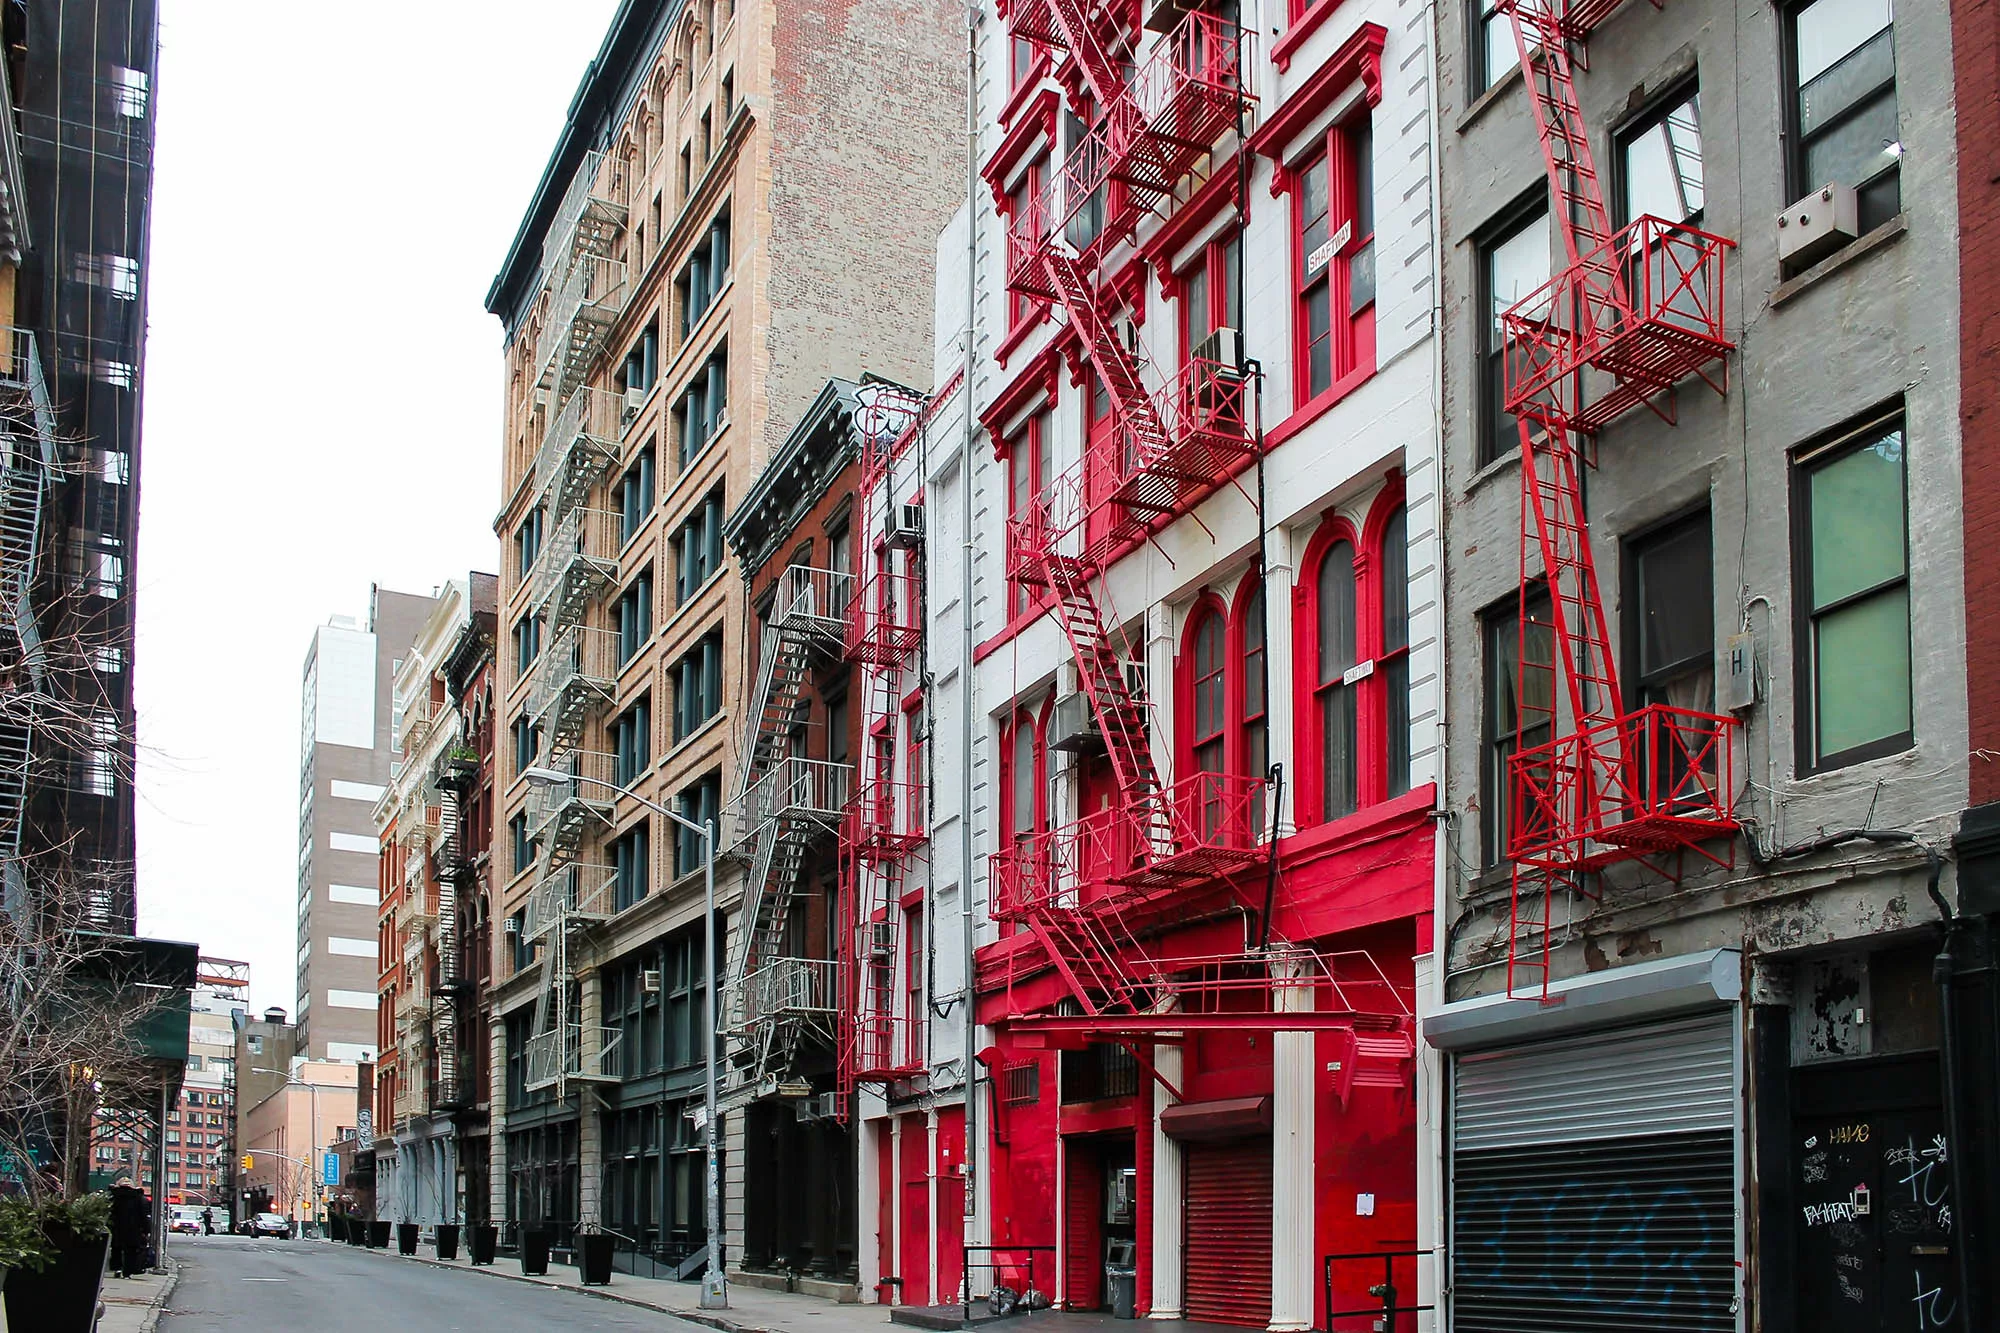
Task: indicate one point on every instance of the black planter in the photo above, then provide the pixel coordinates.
(406, 1237)
(447, 1241)
(378, 1235)
(593, 1257)
(357, 1231)
(336, 1228)
(485, 1239)
(62, 1298)
(535, 1251)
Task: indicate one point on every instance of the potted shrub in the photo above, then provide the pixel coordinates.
(535, 1245)
(446, 1240)
(406, 1237)
(485, 1240)
(593, 1258)
(55, 1255)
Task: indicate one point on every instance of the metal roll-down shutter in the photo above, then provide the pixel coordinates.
(1594, 1182)
(1228, 1232)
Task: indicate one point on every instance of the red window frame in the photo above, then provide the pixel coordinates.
(913, 765)
(883, 741)
(1033, 726)
(1372, 780)
(1021, 308)
(913, 986)
(1338, 168)
(1214, 269)
(1208, 744)
(1030, 463)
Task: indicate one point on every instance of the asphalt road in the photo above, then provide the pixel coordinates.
(232, 1284)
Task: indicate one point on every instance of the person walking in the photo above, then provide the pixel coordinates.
(129, 1218)
(208, 1221)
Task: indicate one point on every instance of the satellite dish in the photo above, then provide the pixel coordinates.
(884, 411)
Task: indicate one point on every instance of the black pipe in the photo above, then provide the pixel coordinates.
(1271, 860)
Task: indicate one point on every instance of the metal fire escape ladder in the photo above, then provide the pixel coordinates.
(787, 661)
(1066, 23)
(28, 461)
(454, 869)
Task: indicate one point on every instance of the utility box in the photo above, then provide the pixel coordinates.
(1817, 225)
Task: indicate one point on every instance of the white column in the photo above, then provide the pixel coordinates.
(590, 1126)
(1430, 1153)
(931, 1190)
(869, 1135)
(496, 1122)
(1279, 580)
(1168, 1204)
(1292, 1158)
(1159, 675)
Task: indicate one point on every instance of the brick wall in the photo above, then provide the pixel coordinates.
(1976, 67)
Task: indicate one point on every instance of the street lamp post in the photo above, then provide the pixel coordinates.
(714, 1287)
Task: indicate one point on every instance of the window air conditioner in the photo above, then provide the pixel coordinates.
(513, 925)
(634, 400)
(1817, 225)
(1224, 350)
(1073, 722)
(881, 940)
(903, 526)
(820, 1106)
(649, 981)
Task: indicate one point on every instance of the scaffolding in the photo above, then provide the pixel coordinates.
(1632, 315)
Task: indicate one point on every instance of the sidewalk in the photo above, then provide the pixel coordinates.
(133, 1304)
(751, 1309)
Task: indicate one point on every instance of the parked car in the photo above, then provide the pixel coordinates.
(271, 1224)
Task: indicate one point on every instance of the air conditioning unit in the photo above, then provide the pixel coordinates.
(820, 1106)
(649, 981)
(513, 925)
(1073, 722)
(903, 526)
(881, 940)
(634, 400)
(1223, 349)
(1817, 225)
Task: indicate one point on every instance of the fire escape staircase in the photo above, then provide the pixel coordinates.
(1636, 311)
(455, 777)
(27, 462)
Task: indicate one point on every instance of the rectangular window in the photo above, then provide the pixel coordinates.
(635, 495)
(527, 643)
(705, 273)
(1670, 616)
(1211, 293)
(698, 548)
(913, 986)
(1020, 306)
(697, 686)
(528, 541)
(1333, 207)
(1520, 707)
(517, 839)
(635, 616)
(1659, 163)
(1494, 52)
(1020, 59)
(1840, 65)
(1030, 470)
(1081, 145)
(700, 804)
(632, 741)
(642, 363)
(527, 744)
(703, 408)
(1853, 594)
(631, 862)
(1511, 267)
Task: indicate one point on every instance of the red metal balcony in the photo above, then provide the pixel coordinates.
(884, 619)
(1656, 780)
(1645, 309)
(884, 821)
(1190, 92)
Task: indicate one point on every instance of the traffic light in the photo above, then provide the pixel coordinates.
(249, 1162)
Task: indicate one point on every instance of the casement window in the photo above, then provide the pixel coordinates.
(517, 841)
(703, 276)
(1659, 162)
(1519, 706)
(1020, 201)
(528, 541)
(527, 744)
(697, 678)
(1351, 650)
(631, 865)
(703, 409)
(1840, 74)
(1494, 52)
(699, 803)
(1211, 293)
(1670, 616)
(914, 746)
(635, 616)
(635, 494)
(1208, 743)
(527, 643)
(1512, 265)
(1852, 593)
(1024, 808)
(642, 363)
(1020, 59)
(632, 741)
(1083, 150)
(698, 548)
(1030, 469)
(913, 987)
(1333, 207)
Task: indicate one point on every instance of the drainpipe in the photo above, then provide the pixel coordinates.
(971, 1156)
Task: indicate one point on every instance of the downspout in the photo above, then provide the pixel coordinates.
(971, 1156)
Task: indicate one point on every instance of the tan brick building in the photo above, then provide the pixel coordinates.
(741, 205)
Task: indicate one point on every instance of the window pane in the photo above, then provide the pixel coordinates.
(1232, 295)
(1336, 612)
(1312, 215)
(1857, 149)
(1319, 340)
(1663, 167)
(1676, 604)
(1862, 665)
(1515, 267)
(1336, 729)
(1024, 775)
(1856, 503)
(1253, 656)
(1858, 76)
(1396, 582)
(1829, 29)
(1197, 304)
(1497, 38)
(1397, 684)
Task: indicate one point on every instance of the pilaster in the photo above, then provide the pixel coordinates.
(1168, 1205)
(1292, 1156)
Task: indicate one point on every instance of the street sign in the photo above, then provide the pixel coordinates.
(330, 1168)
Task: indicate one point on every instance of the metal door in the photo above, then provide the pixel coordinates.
(1228, 1245)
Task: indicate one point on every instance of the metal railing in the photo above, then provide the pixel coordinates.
(788, 988)
(1393, 1311)
(577, 659)
(577, 561)
(584, 302)
(591, 790)
(578, 449)
(561, 1051)
(582, 892)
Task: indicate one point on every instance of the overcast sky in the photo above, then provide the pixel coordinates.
(337, 185)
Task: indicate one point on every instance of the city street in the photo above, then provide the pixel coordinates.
(230, 1283)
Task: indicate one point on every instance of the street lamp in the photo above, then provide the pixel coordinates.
(714, 1289)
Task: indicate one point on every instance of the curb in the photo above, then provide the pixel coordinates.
(151, 1319)
(706, 1318)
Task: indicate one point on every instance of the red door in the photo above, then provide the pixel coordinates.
(885, 1212)
(1228, 1247)
(914, 1176)
(950, 1229)
(1083, 1234)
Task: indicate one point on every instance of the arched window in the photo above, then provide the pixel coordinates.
(1209, 739)
(1254, 728)
(1395, 651)
(1333, 698)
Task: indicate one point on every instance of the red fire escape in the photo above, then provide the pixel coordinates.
(1632, 314)
(882, 845)
(1096, 893)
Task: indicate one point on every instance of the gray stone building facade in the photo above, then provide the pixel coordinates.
(1729, 1095)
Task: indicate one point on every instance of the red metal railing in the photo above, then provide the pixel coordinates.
(1651, 781)
(1644, 308)
(885, 819)
(883, 619)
